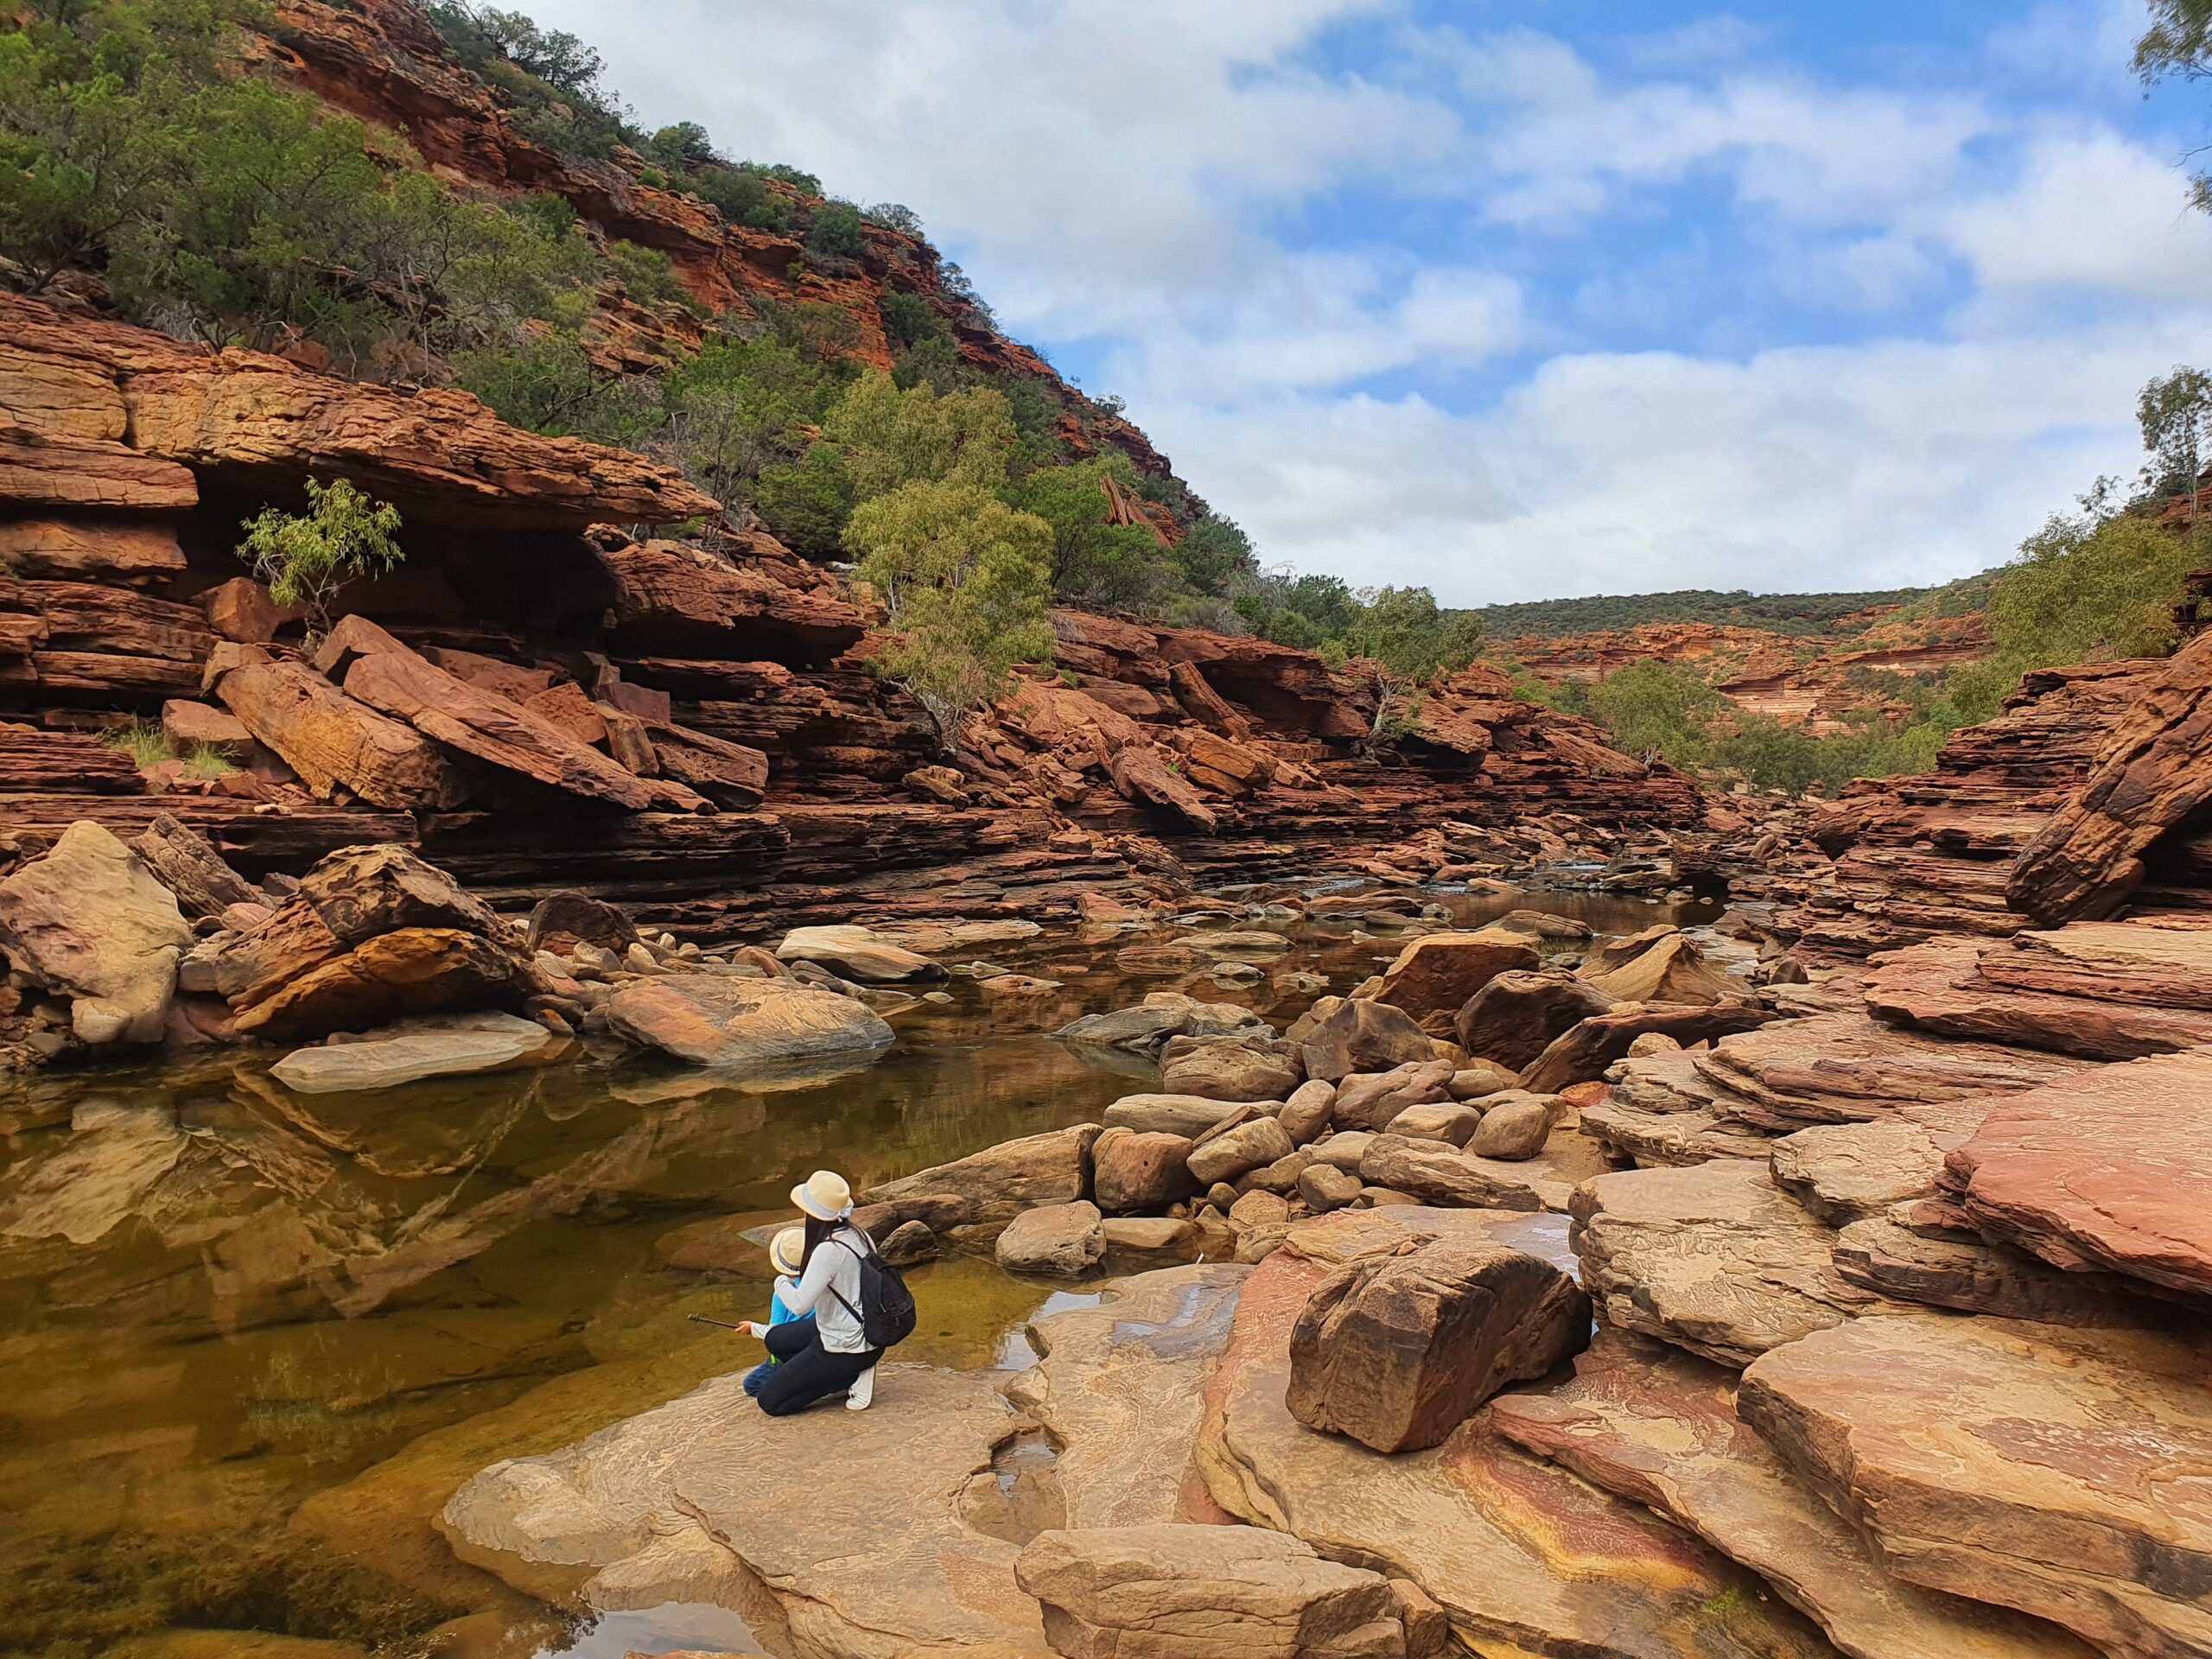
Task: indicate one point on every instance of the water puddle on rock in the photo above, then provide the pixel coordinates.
(254, 1340)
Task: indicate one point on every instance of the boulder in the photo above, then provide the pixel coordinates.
(1477, 1078)
(409, 970)
(2033, 1467)
(566, 918)
(1434, 976)
(240, 609)
(1396, 1351)
(1161, 1016)
(745, 1024)
(184, 861)
(188, 724)
(1515, 1125)
(1141, 772)
(1437, 1175)
(907, 1243)
(1940, 988)
(1121, 1388)
(1515, 1016)
(1371, 1102)
(1713, 1258)
(1132, 1172)
(1325, 1188)
(330, 739)
(1000, 1182)
(1252, 1145)
(1447, 1120)
(1148, 1235)
(1343, 1149)
(670, 1505)
(1305, 1116)
(1188, 1116)
(2106, 1170)
(88, 921)
(1658, 1427)
(1211, 1593)
(1582, 1054)
(857, 953)
(450, 1045)
(1223, 1069)
(1525, 1558)
(1066, 1239)
(1364, 1036)
(1668, 970)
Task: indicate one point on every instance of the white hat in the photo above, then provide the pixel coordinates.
(787, 1250)
(824, 1195)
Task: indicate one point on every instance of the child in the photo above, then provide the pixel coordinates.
(786, 1251)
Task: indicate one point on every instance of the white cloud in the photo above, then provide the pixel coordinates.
(1247, 238)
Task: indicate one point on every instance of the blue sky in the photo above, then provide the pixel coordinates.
(1527, 301)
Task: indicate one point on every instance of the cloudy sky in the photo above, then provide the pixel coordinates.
(1521, 301)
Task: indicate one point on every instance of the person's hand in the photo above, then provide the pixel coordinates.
(753, 1328)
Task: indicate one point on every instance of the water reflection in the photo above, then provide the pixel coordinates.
(254, 1338)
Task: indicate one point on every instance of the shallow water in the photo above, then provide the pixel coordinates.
(254, 1340)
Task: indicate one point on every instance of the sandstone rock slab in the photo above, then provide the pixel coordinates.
(676, 1505)
(1066, 1240)
(2106, 1170)
(455, 1046)
(1205, 1593)
(1000, 1182)
(1658, 1427)
(1525, 1558)
(1713, 1258)
(1434, 976)
(1437, 1175)
(1120, 1387)
(2035, 1466)
(857, 953)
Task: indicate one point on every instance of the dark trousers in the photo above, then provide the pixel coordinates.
(809, 1371)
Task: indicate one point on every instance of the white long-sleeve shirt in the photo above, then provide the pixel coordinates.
(836, 1265)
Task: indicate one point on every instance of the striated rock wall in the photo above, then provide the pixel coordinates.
(537, 698)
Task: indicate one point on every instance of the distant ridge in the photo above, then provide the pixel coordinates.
(1787, 613)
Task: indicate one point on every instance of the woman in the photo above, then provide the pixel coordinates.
(823, 1351)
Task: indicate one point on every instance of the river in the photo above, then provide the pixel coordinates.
(252, 1340)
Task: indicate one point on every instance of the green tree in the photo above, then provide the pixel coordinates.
(1400, 639)
(741, 195)
(2175, 412)
(1655, 708)
(306, 558)
(807, 502)
(888, 437)
(965, 579)
(683, 145)
(1213, 550)
(1121, 566)
(551, 386)
(835, 232)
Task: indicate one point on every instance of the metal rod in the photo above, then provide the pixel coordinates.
(724, 1324)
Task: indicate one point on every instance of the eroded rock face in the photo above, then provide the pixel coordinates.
(1397, 1350)
(1657, 1426)
(1524, 1558)
(1208, 1593)
(1910, 1260)
(1940, 988)
(89, 921)
(745, 1024)
(2028, 1466)
(1713, 1258)
(2106, 1170)
(671, 1506)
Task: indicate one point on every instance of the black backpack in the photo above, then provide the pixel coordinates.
(886, 1309)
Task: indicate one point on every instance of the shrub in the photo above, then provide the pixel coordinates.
(964, 577)
(647, 273)
(306, 558)
(741, 195)
(835, 234)
(889, 437)
(909, 319)
(807, 504)
(550, 386)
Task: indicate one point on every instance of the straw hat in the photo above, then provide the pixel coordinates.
(824, 1195)
(787, 1250)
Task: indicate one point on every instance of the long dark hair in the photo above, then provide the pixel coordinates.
(816, 1231)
